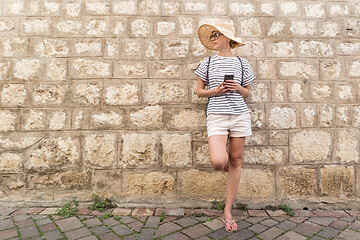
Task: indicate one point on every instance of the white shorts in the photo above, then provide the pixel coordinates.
(228, 124)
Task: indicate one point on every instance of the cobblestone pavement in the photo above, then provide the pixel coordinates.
(202, 224)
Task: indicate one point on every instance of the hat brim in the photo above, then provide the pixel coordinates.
(206, 30)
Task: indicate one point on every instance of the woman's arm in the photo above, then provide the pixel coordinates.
(202, 92)
(234, 86)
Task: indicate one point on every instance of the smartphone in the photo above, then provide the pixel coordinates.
(228, 77)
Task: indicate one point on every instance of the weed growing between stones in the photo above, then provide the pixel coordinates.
(100, 203)
(106, 216)
(241, 206)
(218, 205)
(162, 216)
(68, 209)
(287, 209)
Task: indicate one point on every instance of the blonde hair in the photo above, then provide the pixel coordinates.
(233, 44)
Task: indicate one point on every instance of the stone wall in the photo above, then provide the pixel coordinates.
(98, 96)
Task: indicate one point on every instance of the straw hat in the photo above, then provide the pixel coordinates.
(205, 31)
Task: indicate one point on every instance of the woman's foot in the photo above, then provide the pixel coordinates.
(230, 224)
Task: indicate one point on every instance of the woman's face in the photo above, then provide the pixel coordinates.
(219, 41)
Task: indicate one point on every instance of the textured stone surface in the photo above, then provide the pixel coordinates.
(337, 180)
(298, 181)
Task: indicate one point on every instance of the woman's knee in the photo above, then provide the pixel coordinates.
(235, 161)
(218, 164)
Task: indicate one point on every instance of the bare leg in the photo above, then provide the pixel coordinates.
(217, 150)
(235, 158)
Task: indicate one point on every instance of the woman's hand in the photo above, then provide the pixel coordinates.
(221, 89)
(232, 85)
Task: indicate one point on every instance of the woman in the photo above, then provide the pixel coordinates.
(228, 117)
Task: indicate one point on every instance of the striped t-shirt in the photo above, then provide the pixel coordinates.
(231, 102)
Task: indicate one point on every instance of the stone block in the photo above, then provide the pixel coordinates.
(119, 26)
(310, 146)
(343, 115)
(280, 49)
(127, 69)
(260, 92)
(265, 155)
(12, 186)
(283, 117)
(153, 185)
(331, 69)
(80, 118)
(174, 49)
(300, 28)
(337, 180)
(100, 150)
(309, 116)
(86, 48)
(97, 26)
(201, 154)
(59, 119)
(171, 7)
(326, 115)
(90, 68)
(67, 27)
(176, 150)
(57, 69)
(52, 8)
(297, 181)
(195, 6)
(196, 50)
(14, 47)
(278, 137)
(120, 7)
(315, 49)
(251, 27)
(202, 185)
(267, 69)
(148, 117)
(139, 150)
(9, 120)
(299, 91)
(185, 26)
(279, 91)
(165, 27)
(345, 92)
(329, 28)
(165, 92)
(289, 8)
(277, 27)
(111, 48)
(13, 95)
(298, 69)
(141, 27)
(9, 26)
(86, 93)
(107, 119)
(11, 162)
(257, 113)
(107, 183)
(164, 69)
(193, 96)
(54, 153)
(257, 138)
(97, 7)
(14, 8)
(268, 8)
(242, 8)
(338, 10)
(16, 142)
(34, 119)
(187, 119)
(346, 147)
(352, 27)
(322, 92)
(35, 26)
(256, 184)
(131, 48)
(356, 116)
(49, 94)
(122, 93)
(314, 10)
(28, 69)
(149, 7)
(251, 49)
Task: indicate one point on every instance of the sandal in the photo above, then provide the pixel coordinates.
(230, 224)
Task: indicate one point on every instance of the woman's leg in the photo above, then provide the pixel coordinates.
(235, 159)
(217, 150)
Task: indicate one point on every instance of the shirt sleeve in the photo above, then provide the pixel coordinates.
(248, 73)
(201, 71)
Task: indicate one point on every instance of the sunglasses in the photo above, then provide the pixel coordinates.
(215, 36)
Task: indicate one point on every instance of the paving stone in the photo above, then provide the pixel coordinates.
(239, 213)
(130, 237)
(286, 225)
(322, 220)
(29, 211)
(127, 219)
(143, 212)
(354, 213)
(170, 211)
(136, 225)
(176, 236)
(29, 232)
(44, 222)
(47, 227)
(146, 234)
(7, 211)
(349, 234)
(34, 238)
(276, 213)
(121, 230)
(207, 212)
(166, 228)
(68, 224)
(281, 219)
(92, 222)
(196, 231)
(89, 238)
(152, 222)
(109, 236)
(110, 222)
(121, 211)
(214, 224)
(272, 233)
(100, 230)
(201, 219)
(303, 213)
(316, 238)
(258, 228)
(331, 213)
(20, 217)
(242, 235)
(8, 233)
(48, 211)
(328, 232)
(355, 226)
(269, 222)
(307, 229)
(298, 219)
(6, 223)
(84, 211)
(291, 236)
(351, 219)
(242, 224)
(25, 223)
(257, 213)
(339, 224)
(78, 233)
(53, 235)
(219, 234)
(185, 222)
(255, 219)
(38, 217)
